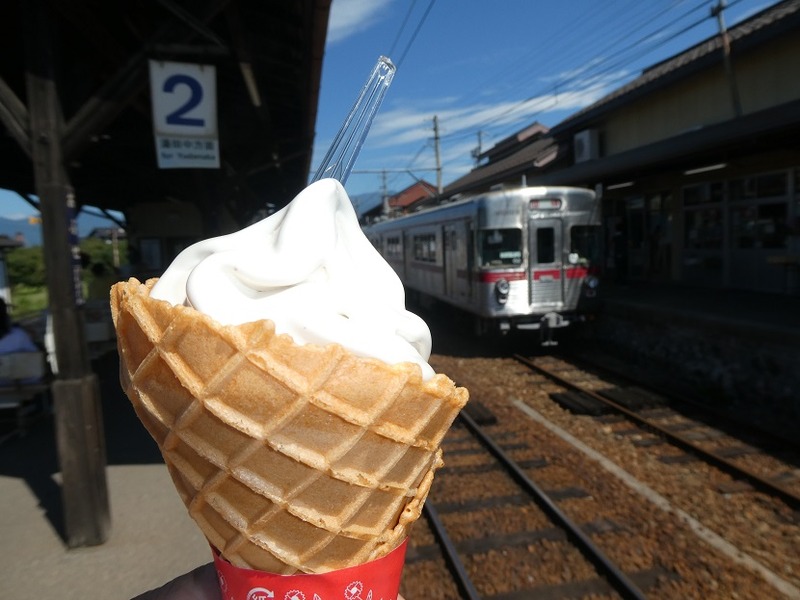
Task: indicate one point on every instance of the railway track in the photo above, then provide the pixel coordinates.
(674, 528)
(652, 411)
(612, 576)
(685, 397)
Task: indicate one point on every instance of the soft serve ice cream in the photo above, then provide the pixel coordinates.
(309, 269)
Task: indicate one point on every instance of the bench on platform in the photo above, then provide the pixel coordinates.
(23, 376)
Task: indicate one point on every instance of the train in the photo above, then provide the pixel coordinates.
(517, 259)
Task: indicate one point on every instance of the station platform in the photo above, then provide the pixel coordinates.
(152, 539)
(735, 350)
(735, 312)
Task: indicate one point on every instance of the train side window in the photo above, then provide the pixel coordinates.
(500, 247)
(425, 247)
(394, 247)
(545, 245)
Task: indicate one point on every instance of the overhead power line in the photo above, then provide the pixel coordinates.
(614, 61)
(414, 34)
(402, 27)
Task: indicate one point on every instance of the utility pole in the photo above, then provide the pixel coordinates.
(384, 193)
(716, 11)
(476, 153)
(438, 156)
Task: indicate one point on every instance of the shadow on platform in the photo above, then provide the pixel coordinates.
(33, 457)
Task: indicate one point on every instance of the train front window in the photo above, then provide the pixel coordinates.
(585, 244)
(500, 247)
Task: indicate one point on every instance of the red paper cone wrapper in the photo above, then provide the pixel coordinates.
(375, 580)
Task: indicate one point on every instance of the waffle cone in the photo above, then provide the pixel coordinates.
(291, 458)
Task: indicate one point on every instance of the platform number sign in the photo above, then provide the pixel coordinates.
(184, 98)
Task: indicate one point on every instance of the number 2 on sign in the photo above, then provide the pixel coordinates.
(177, 117)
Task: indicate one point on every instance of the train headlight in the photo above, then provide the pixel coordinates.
(501, 290)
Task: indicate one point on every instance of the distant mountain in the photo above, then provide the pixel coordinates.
(32, 232)
(87, 222)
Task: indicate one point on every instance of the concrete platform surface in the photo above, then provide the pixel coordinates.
(152, 539)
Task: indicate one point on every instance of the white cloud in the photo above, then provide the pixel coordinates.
(348, 17)
(413, 124)
(402, 134)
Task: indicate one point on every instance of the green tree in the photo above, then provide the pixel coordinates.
(26, 266)
(26, 272)
(97, 251)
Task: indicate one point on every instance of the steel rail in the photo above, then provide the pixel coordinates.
(770, 487)
(621, 583)
(462, 578)
(675, 396)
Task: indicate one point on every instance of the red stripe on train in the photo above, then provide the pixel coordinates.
(577, 272)
(569, 273)
(493, 276)
(537, 274)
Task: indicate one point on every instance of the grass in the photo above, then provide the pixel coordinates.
(26, 300)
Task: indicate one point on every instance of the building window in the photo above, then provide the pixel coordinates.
(703, 193)
(703, 229)
(759, 211)
(760, 225)
(759, 187)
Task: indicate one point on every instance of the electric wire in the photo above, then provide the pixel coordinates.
(655, 40)
(416, 31)
(586, 74)
(602, 68)
(402, 28)
(606, 69)
(608, 72)
(566, 44)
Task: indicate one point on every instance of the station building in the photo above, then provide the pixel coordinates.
(697, 162)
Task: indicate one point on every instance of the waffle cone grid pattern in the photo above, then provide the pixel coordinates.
(290, 458)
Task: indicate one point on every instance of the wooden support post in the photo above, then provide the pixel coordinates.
(76, 397)
(82, 455)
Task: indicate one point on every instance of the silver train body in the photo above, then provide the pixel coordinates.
(519, 259)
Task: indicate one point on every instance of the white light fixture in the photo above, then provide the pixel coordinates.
(619, 186)
(250, 81)
(715, 167)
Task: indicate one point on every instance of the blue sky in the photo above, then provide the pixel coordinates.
(483, 68)
(490, 67)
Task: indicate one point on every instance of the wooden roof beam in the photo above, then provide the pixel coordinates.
(118, 92)
(14, 116)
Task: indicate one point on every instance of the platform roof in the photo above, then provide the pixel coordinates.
(268, 59)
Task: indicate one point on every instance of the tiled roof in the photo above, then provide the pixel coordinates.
(493, 172)
(412, 194)
(7, 242)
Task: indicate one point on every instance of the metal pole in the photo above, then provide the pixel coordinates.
(726, 57)
(438, 155)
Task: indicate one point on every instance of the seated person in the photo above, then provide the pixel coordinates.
(13, 338)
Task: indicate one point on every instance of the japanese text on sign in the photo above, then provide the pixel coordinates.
(184, 115)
